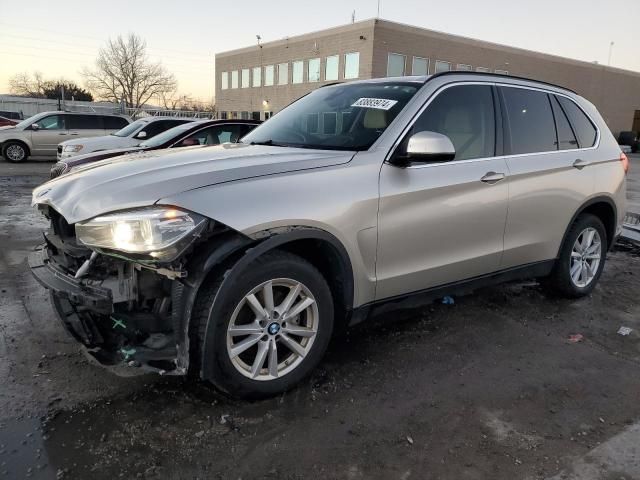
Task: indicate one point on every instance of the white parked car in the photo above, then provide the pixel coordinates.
(130, 136)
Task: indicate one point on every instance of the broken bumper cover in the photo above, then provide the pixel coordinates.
(65, 286)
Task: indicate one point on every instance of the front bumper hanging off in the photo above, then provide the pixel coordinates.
(112, 336)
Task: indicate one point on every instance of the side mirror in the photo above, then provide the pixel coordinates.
(141, 134)
(35, 126)
(426, 147)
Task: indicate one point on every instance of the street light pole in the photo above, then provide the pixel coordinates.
(610, 51)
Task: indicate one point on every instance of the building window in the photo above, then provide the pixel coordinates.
(268, 75)
(223, 115)
(283, 73)
(331, 67)
(442, 66)
(245, 78)
(313, 70)
(244, 115)
(482, 69)
(464, 67)
(257, 77)
(395, 64)
(234, 115)
(420, 66)
(224, 82)
(268, 115)
(297, 71)
(234, 79)
(351, 65)
(255, 115)
(502, 72)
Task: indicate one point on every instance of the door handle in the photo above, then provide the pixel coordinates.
(579, 164)
(62, 134)
(492, 177)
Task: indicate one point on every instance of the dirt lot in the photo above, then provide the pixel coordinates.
(490, 387)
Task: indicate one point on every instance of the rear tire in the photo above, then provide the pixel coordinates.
(15, 152)
(285, 344)
(582, 258)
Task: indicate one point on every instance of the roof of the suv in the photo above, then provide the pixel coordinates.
(421, 79)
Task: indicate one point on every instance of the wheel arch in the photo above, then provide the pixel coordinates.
(602, 207)
(232, 251)
(16, 140)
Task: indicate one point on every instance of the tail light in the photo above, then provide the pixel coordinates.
(625, 162)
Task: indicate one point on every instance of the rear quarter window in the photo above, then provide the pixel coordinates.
(585, 130)
(530, 119)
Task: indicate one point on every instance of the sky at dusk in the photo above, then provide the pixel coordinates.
(60, 38)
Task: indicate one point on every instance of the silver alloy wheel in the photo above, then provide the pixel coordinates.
(15, 152)
(585, 257)
(272, 329)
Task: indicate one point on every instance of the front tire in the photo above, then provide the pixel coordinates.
(15, 152)
(581, 259)
(263, 329)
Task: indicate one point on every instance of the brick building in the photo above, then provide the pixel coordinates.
(257, 81)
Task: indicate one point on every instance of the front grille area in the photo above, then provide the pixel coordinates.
(58, 169)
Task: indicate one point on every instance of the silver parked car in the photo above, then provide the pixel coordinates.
(238, 262)
(40, 134)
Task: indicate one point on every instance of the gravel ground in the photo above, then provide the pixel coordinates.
(490, 387)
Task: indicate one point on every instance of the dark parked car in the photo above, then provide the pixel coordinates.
(630, 138)
(7, 122)
(204, 132)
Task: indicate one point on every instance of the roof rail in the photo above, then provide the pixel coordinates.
(500, 75)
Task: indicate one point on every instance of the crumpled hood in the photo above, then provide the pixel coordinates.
(141, 179)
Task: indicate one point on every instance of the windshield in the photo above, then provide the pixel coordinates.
(130, 129)
(29, 121)
(167, 135)
(340, 117)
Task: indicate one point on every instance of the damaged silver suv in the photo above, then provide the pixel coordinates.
(237, 263)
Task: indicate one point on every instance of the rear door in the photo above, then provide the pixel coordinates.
(50, 132)
(443, 222)
(549, 174)
(83, 126)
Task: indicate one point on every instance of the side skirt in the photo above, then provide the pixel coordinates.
(463, 287)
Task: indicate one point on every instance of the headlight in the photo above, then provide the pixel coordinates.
(159, 233)
(73, 148)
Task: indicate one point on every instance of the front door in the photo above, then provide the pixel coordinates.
(444, 222)
(50, 132)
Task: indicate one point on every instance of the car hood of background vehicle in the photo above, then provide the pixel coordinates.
(8, 127)
(103, 142)
(85, 158)
(141, 179)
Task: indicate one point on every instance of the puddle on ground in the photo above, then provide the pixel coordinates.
(22, 450)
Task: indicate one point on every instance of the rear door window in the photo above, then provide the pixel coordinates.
(154, 128)
(84, 122)
(582, 126)
(214, 135)
(114, 123)
(566, 136)
(530, 119)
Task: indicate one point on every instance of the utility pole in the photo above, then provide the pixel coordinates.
(353, 17)
(378, 16)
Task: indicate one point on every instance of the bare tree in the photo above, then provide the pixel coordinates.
(25, 85)
(123, 71)
(36, 86)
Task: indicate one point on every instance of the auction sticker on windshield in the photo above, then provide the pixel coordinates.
(379, 103)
